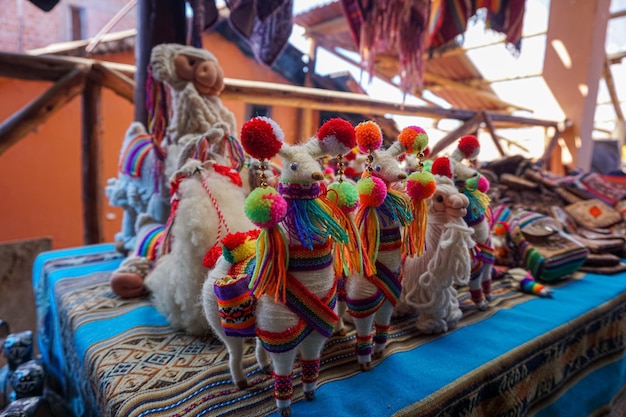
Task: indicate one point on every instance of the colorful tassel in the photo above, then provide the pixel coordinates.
(270, 272)
(366, 219)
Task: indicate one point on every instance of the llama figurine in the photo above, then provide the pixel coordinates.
(293, 279)
(429, 279)
(372, 295)
(479, 216)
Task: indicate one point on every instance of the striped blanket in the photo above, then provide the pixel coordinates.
(523, 356)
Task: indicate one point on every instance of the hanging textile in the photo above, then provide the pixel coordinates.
(394, 26)
(265, 24)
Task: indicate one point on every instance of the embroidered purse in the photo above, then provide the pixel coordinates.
(236, 305)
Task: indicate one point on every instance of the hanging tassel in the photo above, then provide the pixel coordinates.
(397, 207)
(235, 153)
(349, 255)
(420, 186)
(270, 272)
(366, 218)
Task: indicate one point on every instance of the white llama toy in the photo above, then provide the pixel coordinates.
(293, 278)
(382, 212)
(148, 160)
(429, 280)
(479, 216)
(195, 79)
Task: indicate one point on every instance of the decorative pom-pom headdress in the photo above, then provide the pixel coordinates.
(442, 166)
(262, 138)
(338, 138)
(467, 148)
(420, 186)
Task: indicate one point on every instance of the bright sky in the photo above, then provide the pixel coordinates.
(528, 65)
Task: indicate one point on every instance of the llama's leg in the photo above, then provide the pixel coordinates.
(382, 323)
(262, 358)
(486, 281)
(475, 289)
(235, 358)
(340, 307)
(364, 341)
(310, 352)
(283, 380)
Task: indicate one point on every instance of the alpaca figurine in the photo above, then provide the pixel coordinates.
(372, 295)
(195, 79)
(138, 189)
(428, 284)
(293, 278)
(147, 160)
(479, 216)
(208, 202)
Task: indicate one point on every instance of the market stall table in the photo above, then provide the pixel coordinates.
(525, 355)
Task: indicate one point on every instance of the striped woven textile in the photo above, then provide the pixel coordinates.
(523, 356)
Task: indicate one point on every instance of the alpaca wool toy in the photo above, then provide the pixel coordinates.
(183, 88)
(479, 216)
(207, 204)
(429, 279)
(293, 279)
(372, 295)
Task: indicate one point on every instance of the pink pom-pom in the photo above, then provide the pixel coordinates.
(442, 166)
(369, 136)
(469, 146)
(337, 136)
(372, 191)
(261, 137)
(483, 184)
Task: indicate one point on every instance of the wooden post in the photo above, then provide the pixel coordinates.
(91, 163)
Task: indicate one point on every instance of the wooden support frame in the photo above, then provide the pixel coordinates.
(13, 129)
(91, 162)
(73, 76)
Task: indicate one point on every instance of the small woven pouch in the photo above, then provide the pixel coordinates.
(593, 213)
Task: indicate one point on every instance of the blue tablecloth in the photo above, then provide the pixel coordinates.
(523, 356)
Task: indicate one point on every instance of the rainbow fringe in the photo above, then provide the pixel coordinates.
(415, 232)
(135, 154)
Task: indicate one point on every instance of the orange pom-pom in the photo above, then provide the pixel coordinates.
(369, 136)
(413, 138)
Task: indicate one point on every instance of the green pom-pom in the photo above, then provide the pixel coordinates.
(344, 194)
(265, 207)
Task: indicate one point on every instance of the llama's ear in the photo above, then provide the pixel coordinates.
(136, 128)
(314, 148)
(467, 148)
(396, 149)
(208, 164)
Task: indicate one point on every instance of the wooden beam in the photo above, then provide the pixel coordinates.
(610, 85)
(466, 128)
(258, 92)
(114, 80)
(22, 122)
(51, 68)
(26, 67)
(329, 27)
(492, 132)
(91, 163)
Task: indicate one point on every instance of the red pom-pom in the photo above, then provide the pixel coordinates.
(442, 166)
(469, 146)
(211, 257)
(337, 135)
(232, 240)
(426, 152)
(261, 137)
(350, 156)
(350, 172)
